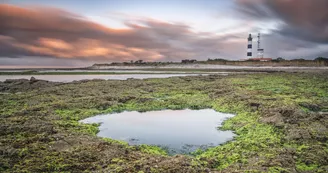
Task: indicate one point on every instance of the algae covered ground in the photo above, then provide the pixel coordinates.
(281, 123)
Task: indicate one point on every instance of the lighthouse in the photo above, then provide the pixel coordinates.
(249, 46)
(260, 51)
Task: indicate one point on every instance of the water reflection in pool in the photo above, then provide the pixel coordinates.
(179, 131)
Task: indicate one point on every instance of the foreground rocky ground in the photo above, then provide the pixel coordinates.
(281, 123)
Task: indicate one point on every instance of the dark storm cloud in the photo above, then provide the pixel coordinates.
(301, 26)
(302, 19)
(257, 9)
(49, 32)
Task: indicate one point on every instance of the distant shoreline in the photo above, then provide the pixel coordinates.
(92, 73)
(255, 62)
(168, 69)
(210, 64)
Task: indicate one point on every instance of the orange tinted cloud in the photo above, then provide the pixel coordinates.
(55, 43)
(57, 33)
(84, 48)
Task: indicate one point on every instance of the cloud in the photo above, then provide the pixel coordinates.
(55, 44)
(302, 30)
(50, 32)
(302, 25)
(302, 19)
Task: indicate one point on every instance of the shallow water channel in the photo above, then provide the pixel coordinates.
(177, 131)
(70, 78)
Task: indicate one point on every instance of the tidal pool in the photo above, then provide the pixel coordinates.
(177, 131)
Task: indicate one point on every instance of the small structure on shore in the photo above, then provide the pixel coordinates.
(186, 61)
(260, 51)
(260, 59)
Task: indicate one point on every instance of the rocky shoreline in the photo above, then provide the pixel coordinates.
(281, 123)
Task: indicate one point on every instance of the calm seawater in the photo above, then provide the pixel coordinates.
(70, 78)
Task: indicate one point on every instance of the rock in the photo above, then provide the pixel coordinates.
(33, 79)
(298, 134)
(287, 112)
(255, 105)
(15, 80)
(276, 120)
(311, 107)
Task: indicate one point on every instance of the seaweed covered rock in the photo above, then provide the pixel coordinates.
(22, 85)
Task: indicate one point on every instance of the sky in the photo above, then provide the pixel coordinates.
(38, 33)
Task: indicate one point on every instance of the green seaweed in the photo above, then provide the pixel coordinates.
(278, 124)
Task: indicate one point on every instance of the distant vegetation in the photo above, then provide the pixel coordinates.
(320, 61)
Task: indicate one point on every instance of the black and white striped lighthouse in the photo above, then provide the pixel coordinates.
(249, 46)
